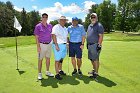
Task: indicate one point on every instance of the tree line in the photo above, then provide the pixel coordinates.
(124, 16)
(27, 20)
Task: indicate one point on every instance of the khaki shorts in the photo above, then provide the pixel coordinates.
(45, 51)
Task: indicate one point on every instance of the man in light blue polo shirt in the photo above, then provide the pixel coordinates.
(76, 44)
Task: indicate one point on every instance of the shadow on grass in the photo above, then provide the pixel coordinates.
(50, 81)
(84, 78)
(20, 72)
(71, 80)
(106, 81)
(54, 82)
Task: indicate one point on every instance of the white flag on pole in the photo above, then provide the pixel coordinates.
(17, 24)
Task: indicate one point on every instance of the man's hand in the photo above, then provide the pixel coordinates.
(38, 49)
(67, 45)
(99, 47)
(57, 47)
(82, 46)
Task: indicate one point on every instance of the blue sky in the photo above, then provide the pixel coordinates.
(57, 8)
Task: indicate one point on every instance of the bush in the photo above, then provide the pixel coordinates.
(138, 28)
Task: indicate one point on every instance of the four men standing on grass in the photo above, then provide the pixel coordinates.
(44, 34)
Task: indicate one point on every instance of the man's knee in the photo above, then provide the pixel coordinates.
(61, 60)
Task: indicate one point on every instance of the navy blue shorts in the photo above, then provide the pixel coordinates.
(75, 50)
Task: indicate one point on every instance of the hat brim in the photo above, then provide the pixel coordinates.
(63, 19)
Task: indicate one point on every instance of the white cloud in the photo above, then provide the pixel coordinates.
(73, 9)
(34, 7)
(18, 9)
(58, 10)
(32, 0)
(88, 5)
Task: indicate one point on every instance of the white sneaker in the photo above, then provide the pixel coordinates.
(39, 76)
(49, 74)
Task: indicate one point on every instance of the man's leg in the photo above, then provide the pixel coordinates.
(47, 63)
(48, 73)
(79, 62)
(57, 76)
(61, 72)
(60, 64)
(73, 62)
(40, 65)
(95, 65)
(39, 69)
(57, 67)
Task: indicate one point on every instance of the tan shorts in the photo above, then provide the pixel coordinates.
(45, 51)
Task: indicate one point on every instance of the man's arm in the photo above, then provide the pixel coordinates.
(37, 43)
(83, 41)
(55, 41)
(100, 39)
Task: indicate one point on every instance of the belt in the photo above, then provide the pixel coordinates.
(91, 43)
(76, 42)
(44, 42)
(61, 43)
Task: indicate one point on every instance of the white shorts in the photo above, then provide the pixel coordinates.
(45, 51)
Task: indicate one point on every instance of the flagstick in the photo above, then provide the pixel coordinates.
(16, 50)
(18, 27)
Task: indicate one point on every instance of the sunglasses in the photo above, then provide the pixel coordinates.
(44, 17)
(93, 17)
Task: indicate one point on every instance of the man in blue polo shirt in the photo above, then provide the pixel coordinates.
(76, 44)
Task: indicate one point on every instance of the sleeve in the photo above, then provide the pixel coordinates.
(83, 31)
(88, 28)
(67, 32)
(36, 30)
(54, 30)
(101, 29)
(51, 27)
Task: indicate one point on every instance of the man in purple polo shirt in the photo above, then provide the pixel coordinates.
(43, 38)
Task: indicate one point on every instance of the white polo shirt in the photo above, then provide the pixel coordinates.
(61, 33)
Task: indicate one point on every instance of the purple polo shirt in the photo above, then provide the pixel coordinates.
(43, 32)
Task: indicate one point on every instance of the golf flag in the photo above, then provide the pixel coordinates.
(17, 24)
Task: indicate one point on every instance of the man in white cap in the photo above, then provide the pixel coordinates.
(59, 36)
(94, 42)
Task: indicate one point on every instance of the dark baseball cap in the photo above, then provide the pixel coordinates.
(45, 14)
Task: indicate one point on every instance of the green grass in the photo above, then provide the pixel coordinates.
(28, 40)
(119, 69)
(22, 40)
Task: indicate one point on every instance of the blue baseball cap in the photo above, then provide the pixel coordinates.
(75, 18)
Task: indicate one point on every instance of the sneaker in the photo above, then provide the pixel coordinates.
(49, 74)
(79, 72)
(62, 72)
(94, 74)
(58, 77)
(39, 76)
(74, 72)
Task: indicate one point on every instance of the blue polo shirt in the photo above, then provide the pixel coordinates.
(76, 33)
